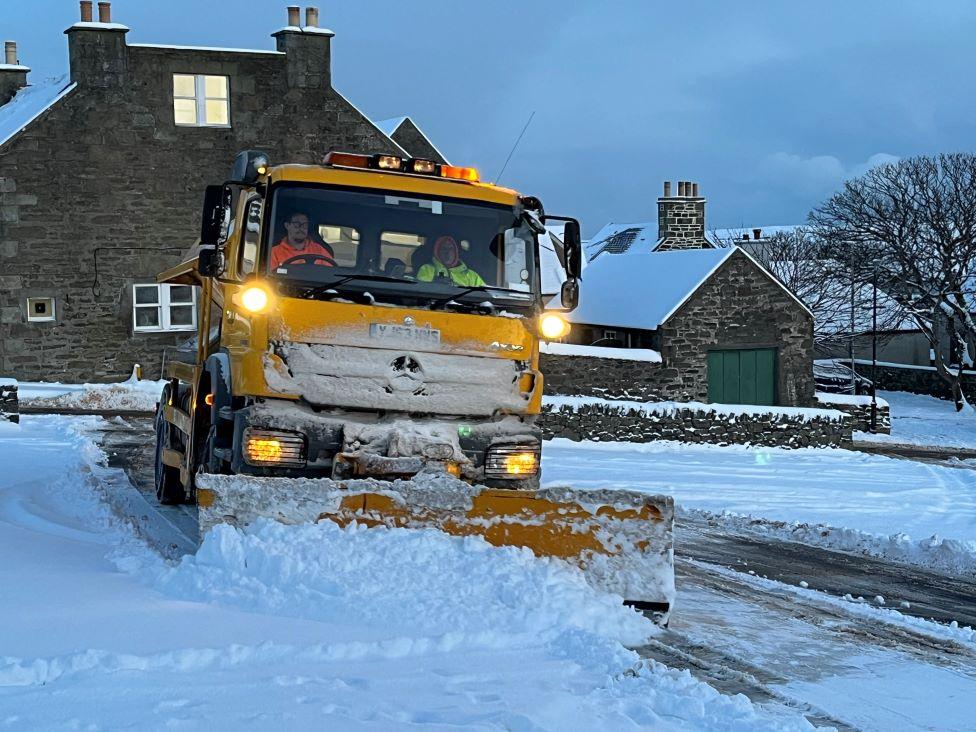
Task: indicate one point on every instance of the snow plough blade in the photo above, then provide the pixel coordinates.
(622, 540)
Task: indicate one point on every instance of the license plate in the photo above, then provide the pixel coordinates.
(408, 333)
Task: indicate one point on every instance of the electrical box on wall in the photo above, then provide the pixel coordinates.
(40, 309)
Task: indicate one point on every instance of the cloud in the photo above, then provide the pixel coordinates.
(818, 175)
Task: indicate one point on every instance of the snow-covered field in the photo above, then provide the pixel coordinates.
(304, 627)
(908, 511)
(917, 419)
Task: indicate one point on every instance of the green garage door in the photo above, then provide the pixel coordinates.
(742, 376)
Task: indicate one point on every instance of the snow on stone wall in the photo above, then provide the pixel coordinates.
(582, 418)
(9, 407)
(859, 407)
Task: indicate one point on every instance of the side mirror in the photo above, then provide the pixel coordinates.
(212, 221)
(569, 294)
(574, 248)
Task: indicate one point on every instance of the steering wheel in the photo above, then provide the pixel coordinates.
(307, 258)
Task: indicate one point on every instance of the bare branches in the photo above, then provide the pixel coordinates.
(914, 222)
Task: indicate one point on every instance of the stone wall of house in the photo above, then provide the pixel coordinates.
(696, 423)
(104, 190)
(9, 406)
(740, 306)
(607, 378)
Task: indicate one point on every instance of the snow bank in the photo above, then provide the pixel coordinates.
(917, 419)
(906, 511)
(670, 408)
(620, 354)
(133, 394)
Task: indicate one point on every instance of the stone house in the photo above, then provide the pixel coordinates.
(102, 174)
(724, 329)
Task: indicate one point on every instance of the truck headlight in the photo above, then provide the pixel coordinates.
(553, 326)
(273, 448)
(512, 461)
(254, 298)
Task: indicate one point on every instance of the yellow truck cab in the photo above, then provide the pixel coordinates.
(372, 316)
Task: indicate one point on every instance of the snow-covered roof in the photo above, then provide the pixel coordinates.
(642, 289)
(620, 238)
(205, 48)
(736, 233)
(30, 103)
(14, 67)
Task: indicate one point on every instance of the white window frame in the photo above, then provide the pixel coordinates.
(200, 97)
(163, 306)
(31, 318)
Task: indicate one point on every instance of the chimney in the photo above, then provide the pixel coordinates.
(757, 234)
(308, 50)
(13, 76)
(97, 52)
(681, 218)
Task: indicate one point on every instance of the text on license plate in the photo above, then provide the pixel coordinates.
(410, 333)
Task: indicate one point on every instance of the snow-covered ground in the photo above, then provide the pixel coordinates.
(908, 511)
(917, 419)
(304, 627)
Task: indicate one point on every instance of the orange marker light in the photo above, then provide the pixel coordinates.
(208, 400)
(453, 171)
(347, 160)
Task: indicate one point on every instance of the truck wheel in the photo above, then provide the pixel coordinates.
(169, 489)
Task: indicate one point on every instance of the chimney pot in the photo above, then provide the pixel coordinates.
(694, 190)
(10, 52)
(757, 234)
(312, 17)
(294, 15)
(104, 12)
(86, 11)
(684, 189)
(667, 189)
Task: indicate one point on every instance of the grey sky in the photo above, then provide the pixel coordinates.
(770, 105)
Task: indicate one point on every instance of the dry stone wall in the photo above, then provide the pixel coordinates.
(9, 406)
(696, 423)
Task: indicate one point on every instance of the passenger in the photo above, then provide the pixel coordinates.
(297, 245)
(447, 264)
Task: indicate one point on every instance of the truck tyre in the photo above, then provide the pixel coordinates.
(169, 489)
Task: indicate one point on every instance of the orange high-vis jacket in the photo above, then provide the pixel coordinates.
(283, 251)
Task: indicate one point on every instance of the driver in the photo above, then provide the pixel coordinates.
(297, 247)
(447, 264)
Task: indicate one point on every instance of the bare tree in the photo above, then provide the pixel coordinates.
(914, 222)
(837, 290)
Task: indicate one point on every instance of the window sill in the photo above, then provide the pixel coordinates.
(187, 329)
(204, 127)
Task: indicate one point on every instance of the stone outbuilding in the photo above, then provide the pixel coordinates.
(102, 173)
(718, 326)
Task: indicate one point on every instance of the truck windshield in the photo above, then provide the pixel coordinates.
(434, 248)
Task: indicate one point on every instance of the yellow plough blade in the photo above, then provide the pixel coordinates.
(622, 540)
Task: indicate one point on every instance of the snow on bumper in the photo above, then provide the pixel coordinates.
(622, 540)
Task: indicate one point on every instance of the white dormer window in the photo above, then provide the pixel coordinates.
(201, 101)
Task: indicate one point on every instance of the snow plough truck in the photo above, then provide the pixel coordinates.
(367, 351)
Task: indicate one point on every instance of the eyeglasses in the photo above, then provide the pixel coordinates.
(299, 224)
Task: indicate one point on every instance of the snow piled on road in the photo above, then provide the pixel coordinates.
(902, 510)
(301, 627)
(134, 394)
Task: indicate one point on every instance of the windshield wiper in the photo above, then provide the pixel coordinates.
(441, 302)
(320, 290)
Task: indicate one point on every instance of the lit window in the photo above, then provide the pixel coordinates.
(40, 309)
(164, 307)
(201, 101)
